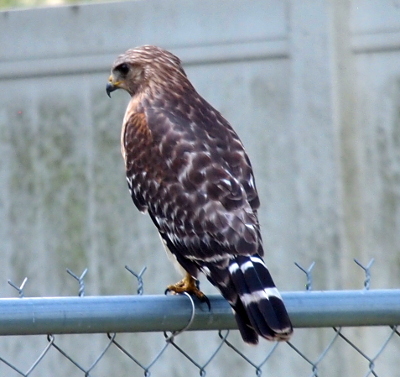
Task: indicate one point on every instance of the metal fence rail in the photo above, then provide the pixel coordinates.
(77, 315)
(110, 316)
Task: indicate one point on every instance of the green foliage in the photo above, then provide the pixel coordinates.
(22, 3)
(12, 4)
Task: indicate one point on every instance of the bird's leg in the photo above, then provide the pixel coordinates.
(190, 285)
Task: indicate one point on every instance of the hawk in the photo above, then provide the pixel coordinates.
(187, 168)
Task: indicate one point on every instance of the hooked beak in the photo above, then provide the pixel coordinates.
(111, 86)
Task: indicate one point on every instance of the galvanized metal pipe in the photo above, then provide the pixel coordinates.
(99, 314)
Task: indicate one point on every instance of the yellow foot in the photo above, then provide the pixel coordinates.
(190, 285)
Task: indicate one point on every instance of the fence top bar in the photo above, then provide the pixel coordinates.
(99, 314)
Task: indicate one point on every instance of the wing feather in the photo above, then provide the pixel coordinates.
(200, 196)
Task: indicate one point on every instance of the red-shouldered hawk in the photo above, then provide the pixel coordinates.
(188, 169)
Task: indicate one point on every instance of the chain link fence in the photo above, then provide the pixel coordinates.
(112, 325)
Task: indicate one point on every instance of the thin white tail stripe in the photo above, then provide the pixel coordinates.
(233, 268)
(255, 297)
(258, 260)
(246, 266)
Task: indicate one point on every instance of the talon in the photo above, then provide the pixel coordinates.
(207, 301)
(190, 285)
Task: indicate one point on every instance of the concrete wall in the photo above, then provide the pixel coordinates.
(312, 88)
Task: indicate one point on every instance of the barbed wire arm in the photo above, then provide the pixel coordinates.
(113, 314)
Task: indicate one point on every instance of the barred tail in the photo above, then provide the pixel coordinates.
(259, 308)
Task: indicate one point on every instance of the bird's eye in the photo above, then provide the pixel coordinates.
(123, 68)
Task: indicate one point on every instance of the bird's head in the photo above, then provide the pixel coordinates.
(139, 66)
